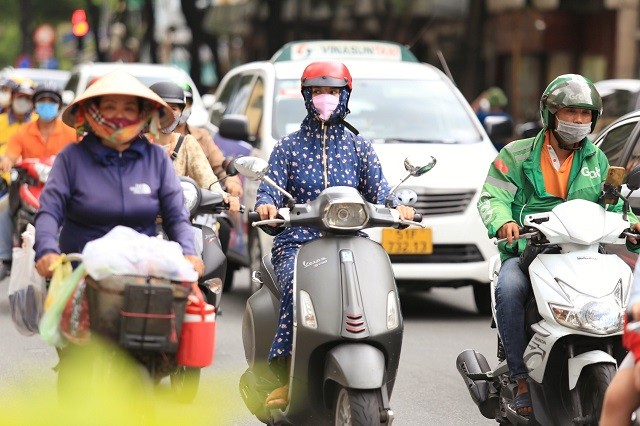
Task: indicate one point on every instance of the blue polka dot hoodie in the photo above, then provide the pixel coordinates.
(320, 155)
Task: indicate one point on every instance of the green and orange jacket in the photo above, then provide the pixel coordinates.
(515, 187)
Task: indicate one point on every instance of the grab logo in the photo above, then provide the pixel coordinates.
(593, 174)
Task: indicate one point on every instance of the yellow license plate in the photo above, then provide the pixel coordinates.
(407, 241)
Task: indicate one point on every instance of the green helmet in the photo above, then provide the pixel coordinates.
(570, 90)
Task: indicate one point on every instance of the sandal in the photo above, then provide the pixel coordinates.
(523, 404)
(278, 398)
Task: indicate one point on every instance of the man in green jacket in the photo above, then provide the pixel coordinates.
(531, 176)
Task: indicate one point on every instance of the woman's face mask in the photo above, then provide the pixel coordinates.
(21, 105)
(116, 130)
(325, 104)
(185, 115)
(47, 111)
(571, 132)
(173, 125)
(5, 98)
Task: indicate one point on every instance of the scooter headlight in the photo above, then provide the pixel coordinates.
(347, 216)
(43, 171)
(599, 317)
(191, 195)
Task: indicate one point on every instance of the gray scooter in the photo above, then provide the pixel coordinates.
(347, 321)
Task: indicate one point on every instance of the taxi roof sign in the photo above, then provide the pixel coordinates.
(344, 49)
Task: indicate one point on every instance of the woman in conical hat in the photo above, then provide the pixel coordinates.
(113, 176)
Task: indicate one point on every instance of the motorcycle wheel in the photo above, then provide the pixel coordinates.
(255, 258)
(184, 383)
(357, 407)
(592, 384)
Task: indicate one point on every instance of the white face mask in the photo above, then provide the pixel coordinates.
(5, 99)
(172, 126)
(21, 106)
(185, 115)
(571, 132)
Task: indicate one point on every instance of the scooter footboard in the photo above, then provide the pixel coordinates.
(355, 365)
(472, 363)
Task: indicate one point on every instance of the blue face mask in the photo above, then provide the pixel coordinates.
(47, 110)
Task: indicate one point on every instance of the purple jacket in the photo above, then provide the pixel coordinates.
(93, 188)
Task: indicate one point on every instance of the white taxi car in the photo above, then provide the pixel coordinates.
(406, 108)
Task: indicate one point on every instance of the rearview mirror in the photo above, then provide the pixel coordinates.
(253, 168)
(418, 170)
(633, 179)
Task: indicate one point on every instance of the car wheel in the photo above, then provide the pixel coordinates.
(482, 297)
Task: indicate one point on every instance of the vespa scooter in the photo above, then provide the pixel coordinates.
(347, 321)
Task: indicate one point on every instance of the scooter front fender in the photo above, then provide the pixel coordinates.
(577, 363)
(355, 365)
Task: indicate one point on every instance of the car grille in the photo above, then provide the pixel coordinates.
(433, 202)
(443, 253)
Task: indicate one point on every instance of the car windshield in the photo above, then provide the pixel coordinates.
(412, 111)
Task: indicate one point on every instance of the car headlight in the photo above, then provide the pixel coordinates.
(599, 317)
(348, 216)
(191, 195)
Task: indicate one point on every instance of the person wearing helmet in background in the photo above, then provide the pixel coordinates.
(533, 175)
(6, 87)
(185, 152)
(324, 152)
(492, 103)
(18, 113)
(45, 136)
(214, 155)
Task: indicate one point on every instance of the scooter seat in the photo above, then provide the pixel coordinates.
(270, 280)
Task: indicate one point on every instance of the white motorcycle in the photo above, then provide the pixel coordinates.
(574, 319)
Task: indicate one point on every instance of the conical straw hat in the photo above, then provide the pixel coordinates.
(116, 82)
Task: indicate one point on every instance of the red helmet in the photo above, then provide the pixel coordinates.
(326, 74)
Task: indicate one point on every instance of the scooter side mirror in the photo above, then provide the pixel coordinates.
(633, 179)
(256, 168)
(418, 170)
(253, 168)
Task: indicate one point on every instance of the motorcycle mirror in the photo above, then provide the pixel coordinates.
(418, 170)
(414, 171)
(633, 179)
(253, 168)
(256, 168)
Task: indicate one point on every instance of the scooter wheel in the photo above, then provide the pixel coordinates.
(184, 383)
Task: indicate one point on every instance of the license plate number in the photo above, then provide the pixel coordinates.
(407, 241)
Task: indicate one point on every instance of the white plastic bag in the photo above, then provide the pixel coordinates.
(123, 251)
(27, 290)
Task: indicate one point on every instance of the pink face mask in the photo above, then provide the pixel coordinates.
(325, 104)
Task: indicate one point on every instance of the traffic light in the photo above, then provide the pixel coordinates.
(80, 26)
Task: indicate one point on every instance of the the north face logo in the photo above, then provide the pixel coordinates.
(140, 189)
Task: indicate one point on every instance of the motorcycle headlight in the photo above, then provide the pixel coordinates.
(43, 171)
(599, 317)
(191, 195)
(348, 216)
